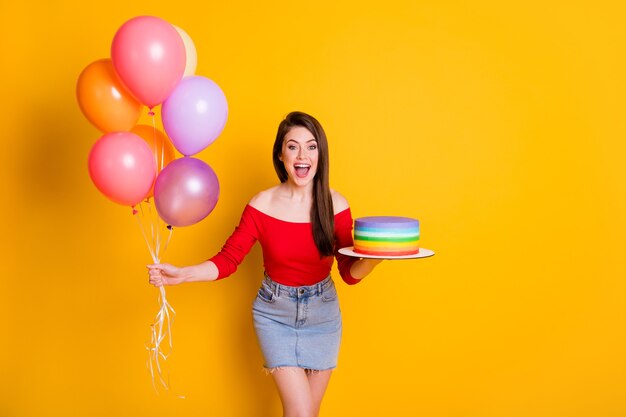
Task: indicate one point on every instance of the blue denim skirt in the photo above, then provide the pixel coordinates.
(298, 326)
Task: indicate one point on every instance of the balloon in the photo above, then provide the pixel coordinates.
(194, 114)
(162, 149)
(190, 52)
(104, 100)
(159, 144)
(149, 57)
(186, 191)
(121, 165)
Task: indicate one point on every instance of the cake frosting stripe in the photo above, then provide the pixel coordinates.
(386, 235)
(382, 232)
(386, 253)
(388, 238)
(388, 244)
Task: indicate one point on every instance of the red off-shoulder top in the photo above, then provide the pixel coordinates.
(290, 256)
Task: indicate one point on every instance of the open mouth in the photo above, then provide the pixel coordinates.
(302, 170)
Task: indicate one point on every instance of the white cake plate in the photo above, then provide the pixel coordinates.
(423, 253)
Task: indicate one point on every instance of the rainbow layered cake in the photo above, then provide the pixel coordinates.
(386, 235)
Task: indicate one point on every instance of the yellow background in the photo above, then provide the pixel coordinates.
(500, 125)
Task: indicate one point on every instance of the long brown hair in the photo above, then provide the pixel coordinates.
(322, 214)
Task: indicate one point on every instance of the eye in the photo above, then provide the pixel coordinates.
(312, 147)
(291, 147)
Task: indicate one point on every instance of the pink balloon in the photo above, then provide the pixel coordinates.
(149, 57)
(186, 191)
(122, 167)
(194, 114)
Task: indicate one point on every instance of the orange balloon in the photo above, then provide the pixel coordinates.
(161, 147)
(104, 100)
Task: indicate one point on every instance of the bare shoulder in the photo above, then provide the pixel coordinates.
(339, 202)
(262, 200)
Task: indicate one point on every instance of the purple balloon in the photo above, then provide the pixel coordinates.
(194, 114)
(186, 191)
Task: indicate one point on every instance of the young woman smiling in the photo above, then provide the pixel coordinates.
(301, 224)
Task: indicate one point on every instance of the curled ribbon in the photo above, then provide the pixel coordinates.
(161, 328)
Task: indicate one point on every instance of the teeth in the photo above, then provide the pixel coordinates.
(301, 166)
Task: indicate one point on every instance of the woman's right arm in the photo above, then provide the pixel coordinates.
(220, 266)
(166, 274)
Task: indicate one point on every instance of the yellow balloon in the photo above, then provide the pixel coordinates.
(190, 50)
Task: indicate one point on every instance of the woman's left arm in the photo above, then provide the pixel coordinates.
(352, 270)
(361, 268)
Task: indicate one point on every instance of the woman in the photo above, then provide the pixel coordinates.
(300, 223)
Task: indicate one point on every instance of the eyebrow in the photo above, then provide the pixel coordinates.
(310, 140)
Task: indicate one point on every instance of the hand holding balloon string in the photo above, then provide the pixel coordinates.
(165, 274)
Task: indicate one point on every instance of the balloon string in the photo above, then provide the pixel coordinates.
(160, 332)
(156, 227)
(161, 344)
(155, 230)
(169, 237)
(154, 235)
(160, 155)
(159, 166)
(143, 233)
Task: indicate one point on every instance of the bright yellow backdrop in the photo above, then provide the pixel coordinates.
(500, 125)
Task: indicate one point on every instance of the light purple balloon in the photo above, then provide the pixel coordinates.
(186, 191)
(194, 114)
